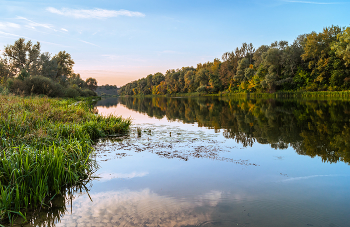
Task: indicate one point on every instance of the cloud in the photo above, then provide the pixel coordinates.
(313, 176)
(9, 34)
(21, 36)
(109, 176)
(94, 13)
(317, 3)
(140, 208)
(88, 43)
(169, 52)
(63, 29)
(34, 25)
(6, 25)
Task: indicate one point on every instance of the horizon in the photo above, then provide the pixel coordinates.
(118, 42)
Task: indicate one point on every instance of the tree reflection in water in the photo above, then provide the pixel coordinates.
(310, 127)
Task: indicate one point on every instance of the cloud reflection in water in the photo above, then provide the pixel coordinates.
(140, 208)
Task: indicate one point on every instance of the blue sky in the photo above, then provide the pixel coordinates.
(119, 41)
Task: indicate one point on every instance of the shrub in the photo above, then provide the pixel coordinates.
(71, 92)
(42, 85)
(16, 86)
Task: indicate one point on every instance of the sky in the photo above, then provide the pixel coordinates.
(119, 41)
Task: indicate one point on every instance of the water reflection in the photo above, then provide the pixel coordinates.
(314, 128)
(247, 173)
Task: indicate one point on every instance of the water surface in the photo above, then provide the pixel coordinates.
(217, 162)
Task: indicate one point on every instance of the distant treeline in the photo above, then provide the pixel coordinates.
(107, 90)
(313, 62)
(24, 70)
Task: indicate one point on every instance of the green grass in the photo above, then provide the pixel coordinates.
(45, 146)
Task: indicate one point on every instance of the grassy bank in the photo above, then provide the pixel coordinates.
(45, 146)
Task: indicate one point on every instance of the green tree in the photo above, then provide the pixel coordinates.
(317, 51)
(91, 83)
(342, 46)
(23, 55)
(48, 66)
(64, 65)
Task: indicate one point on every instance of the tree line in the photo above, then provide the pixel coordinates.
(313, 62)
(25, 70)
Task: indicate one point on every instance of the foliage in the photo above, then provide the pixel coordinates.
(26, 71)
(45, 146)
(313, 62)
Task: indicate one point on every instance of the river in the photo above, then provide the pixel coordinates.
(212, 161)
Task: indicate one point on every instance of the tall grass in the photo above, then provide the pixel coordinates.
(45, 146)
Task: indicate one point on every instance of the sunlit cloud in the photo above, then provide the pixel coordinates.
(94, 13)
(33, 25)
(63, 29)
(6, 25)
(317, 3)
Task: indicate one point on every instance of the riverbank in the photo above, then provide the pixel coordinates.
(45, 147)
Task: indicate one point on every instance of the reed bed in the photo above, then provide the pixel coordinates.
(45, 146)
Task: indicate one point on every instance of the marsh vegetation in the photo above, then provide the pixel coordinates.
(45, 147)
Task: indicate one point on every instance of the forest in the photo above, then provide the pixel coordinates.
(24, 70)
(313, 62)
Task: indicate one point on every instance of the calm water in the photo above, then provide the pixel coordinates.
(217, 162)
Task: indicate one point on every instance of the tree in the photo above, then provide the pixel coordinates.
(48, 66)
(5, 71)
(76, 79)
(318, 53)
(91, 83)
(64, 64)
(342, 46)
(202, 77)
(23, 55)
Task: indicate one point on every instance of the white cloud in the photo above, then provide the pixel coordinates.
(6, 25)
(63, 29)
(318, 3)
(88, 43)
(109, 176)
(94, 13)
(34, 25)
(9, 34)
(136, 208)
(313, 176)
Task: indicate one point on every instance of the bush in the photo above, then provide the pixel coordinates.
(87, 93)
(42, 85)
(16, 86)
(71, 92)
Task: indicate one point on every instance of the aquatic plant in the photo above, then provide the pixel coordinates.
(139, 131)
(45, 146)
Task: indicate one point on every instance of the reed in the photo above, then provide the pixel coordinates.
(45, 146)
